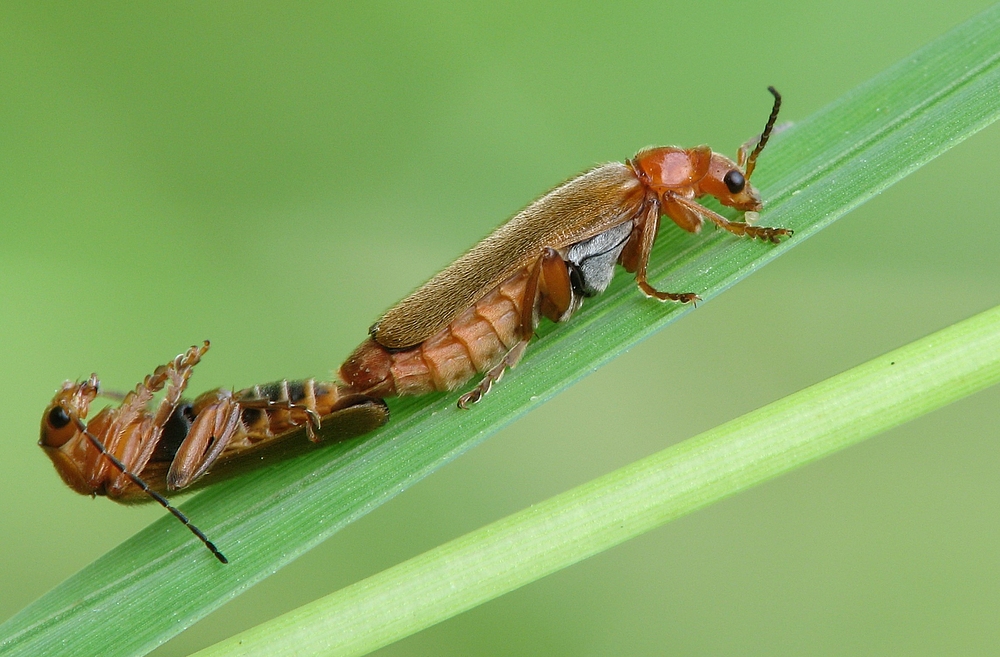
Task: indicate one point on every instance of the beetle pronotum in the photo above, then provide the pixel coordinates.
(477, 315)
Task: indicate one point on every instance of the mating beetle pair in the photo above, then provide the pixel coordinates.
(475, 316)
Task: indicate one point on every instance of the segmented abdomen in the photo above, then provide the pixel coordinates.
(474, 342)
(264, 409)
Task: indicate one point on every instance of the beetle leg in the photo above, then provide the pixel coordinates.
(312, 426)
(750, 144)
(117, 395)
(548, 291)
(646, 235)
(556, 298)
(210, 434)
(765, 233)
(493, 375)
(681, 215)
(141, 440)
(178, 374)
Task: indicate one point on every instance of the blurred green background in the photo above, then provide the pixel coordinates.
(272, 178)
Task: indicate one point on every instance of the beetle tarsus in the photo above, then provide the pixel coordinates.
(767, 233)
(493, 375)
(679, 297)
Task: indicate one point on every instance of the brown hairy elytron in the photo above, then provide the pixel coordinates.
(479, 313)
(476, 316)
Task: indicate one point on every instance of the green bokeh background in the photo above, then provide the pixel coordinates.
(272, 178)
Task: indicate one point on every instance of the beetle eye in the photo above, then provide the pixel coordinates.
(57, 428)
(58, 417)
(735, 181)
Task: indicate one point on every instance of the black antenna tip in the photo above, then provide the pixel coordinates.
(218, 555)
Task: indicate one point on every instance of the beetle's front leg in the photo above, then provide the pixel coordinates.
(765, 233)
(549, 292)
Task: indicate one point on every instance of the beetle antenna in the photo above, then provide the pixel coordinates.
(752, 160)
(99, 446)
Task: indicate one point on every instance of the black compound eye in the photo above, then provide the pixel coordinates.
(735, 181)
(58, 418)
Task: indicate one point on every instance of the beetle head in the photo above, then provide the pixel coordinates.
(63, 428)
(69, 406)
(727, 182)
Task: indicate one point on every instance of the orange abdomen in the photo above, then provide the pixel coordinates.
(474, 342)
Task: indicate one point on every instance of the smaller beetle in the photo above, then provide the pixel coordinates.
(135, 451)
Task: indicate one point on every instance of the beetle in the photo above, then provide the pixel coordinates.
(479, 313)
(137, 451)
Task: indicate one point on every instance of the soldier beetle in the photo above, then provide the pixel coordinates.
(132, 453)
(475, 316)
(479, 313)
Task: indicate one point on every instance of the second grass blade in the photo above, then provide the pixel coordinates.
(521, 548)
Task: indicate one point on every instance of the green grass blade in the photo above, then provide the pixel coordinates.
(860, 403)
(161, 581)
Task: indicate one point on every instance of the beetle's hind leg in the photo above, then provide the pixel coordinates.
(549, 291)
(493, 375)
(313, 422)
